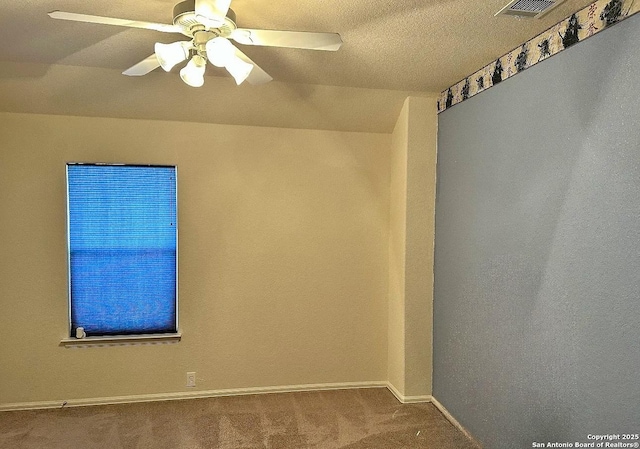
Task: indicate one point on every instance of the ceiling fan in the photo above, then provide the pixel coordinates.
(210, 24)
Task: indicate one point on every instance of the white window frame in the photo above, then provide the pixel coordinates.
(126, 339)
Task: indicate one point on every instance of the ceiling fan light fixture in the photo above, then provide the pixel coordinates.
(169, 55)
(220, 51)
(239, 69)
(193, 73)
(205, 20)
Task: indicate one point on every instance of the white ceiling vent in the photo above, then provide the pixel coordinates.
(529, 8)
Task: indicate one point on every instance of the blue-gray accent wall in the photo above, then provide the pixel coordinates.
(537, 250)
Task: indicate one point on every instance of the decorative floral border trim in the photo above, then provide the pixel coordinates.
(585, 23)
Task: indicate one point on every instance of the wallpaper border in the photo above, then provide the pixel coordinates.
(581, 25)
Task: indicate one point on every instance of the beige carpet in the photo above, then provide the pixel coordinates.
(354, 419)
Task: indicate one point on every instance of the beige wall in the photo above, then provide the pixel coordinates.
(411, 236)
(397, 250)
(283, 257)
(421, 197)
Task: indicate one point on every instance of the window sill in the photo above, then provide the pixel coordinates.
(121, 340)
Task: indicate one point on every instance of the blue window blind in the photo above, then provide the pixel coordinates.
(122, 234)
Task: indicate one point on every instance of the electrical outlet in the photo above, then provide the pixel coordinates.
(191, 379)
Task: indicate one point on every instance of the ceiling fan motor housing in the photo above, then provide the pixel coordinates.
(184, 16)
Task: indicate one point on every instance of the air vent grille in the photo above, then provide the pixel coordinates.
(529, 8)
(531, 5)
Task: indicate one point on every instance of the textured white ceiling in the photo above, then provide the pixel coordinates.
(391, 49)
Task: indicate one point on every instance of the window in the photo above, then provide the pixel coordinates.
(122, 240)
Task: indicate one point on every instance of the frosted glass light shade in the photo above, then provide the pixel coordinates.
(193, 73)
(220, 51)
(169, 55)
(239, 69)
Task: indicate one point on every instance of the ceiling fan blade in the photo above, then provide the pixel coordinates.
(213, 10)
(143, 67)
(257, 75)
(112, 21)
(291, 39)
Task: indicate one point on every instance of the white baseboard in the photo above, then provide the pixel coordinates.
(237, 392)
(428, 398)
(455, 422)
(407, 399)
(187, 395)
